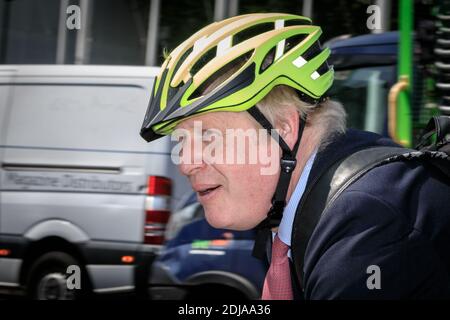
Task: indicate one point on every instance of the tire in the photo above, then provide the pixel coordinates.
(47, 279)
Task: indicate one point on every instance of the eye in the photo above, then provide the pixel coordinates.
(211, 133)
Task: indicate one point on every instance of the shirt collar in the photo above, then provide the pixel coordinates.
(285, 228)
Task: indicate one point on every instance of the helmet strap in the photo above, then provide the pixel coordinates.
(288, 163)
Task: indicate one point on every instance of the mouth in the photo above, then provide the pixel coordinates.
(208, 192)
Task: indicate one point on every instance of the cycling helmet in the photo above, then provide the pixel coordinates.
(272, 49)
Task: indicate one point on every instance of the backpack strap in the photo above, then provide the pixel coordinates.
(437, 152)
(439, 125)
(327, 187)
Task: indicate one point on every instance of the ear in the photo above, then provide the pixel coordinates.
(288, 126)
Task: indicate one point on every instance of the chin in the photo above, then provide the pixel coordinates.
(219, 219)
(216, 220)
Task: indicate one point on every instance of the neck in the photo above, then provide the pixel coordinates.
(307, 146)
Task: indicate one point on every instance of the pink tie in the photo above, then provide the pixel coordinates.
(277, 285)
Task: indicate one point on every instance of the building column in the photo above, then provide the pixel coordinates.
(307, 10)
(82, 42)
(62, 33)
(152, 33)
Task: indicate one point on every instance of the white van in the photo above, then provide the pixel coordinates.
(78, 185)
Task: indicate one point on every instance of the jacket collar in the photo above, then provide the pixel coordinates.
(342, 145)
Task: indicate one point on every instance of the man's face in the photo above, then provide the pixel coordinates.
(235, 195)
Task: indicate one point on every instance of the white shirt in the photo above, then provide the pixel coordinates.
(285, 228)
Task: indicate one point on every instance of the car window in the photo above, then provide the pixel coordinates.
(364, 94)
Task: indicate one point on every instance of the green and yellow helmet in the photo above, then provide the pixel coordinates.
(271, 48)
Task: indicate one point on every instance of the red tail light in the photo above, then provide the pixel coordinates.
(157, 209)
(159, 186)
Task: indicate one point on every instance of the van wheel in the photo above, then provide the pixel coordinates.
(48, 278)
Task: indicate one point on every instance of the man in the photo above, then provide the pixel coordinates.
(268, 71)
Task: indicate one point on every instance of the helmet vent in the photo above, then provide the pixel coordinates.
(226, 71)
(288, 44)
(181, 60)
(172, 91)
(268, 60)
(324, 67)
(312, 51)
(207, 57)
(293, 41)
(252, 31)
(296, 22)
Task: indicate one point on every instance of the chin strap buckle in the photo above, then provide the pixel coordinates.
(288, 165)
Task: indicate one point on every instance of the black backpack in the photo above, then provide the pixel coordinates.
(328, 186)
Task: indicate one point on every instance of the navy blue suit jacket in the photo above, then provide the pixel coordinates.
(396, 217)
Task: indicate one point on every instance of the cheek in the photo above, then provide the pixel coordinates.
(260, 188)
(247, 180)
(250, 195)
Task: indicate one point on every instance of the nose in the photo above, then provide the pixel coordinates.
(189, 169)
(191, 158)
